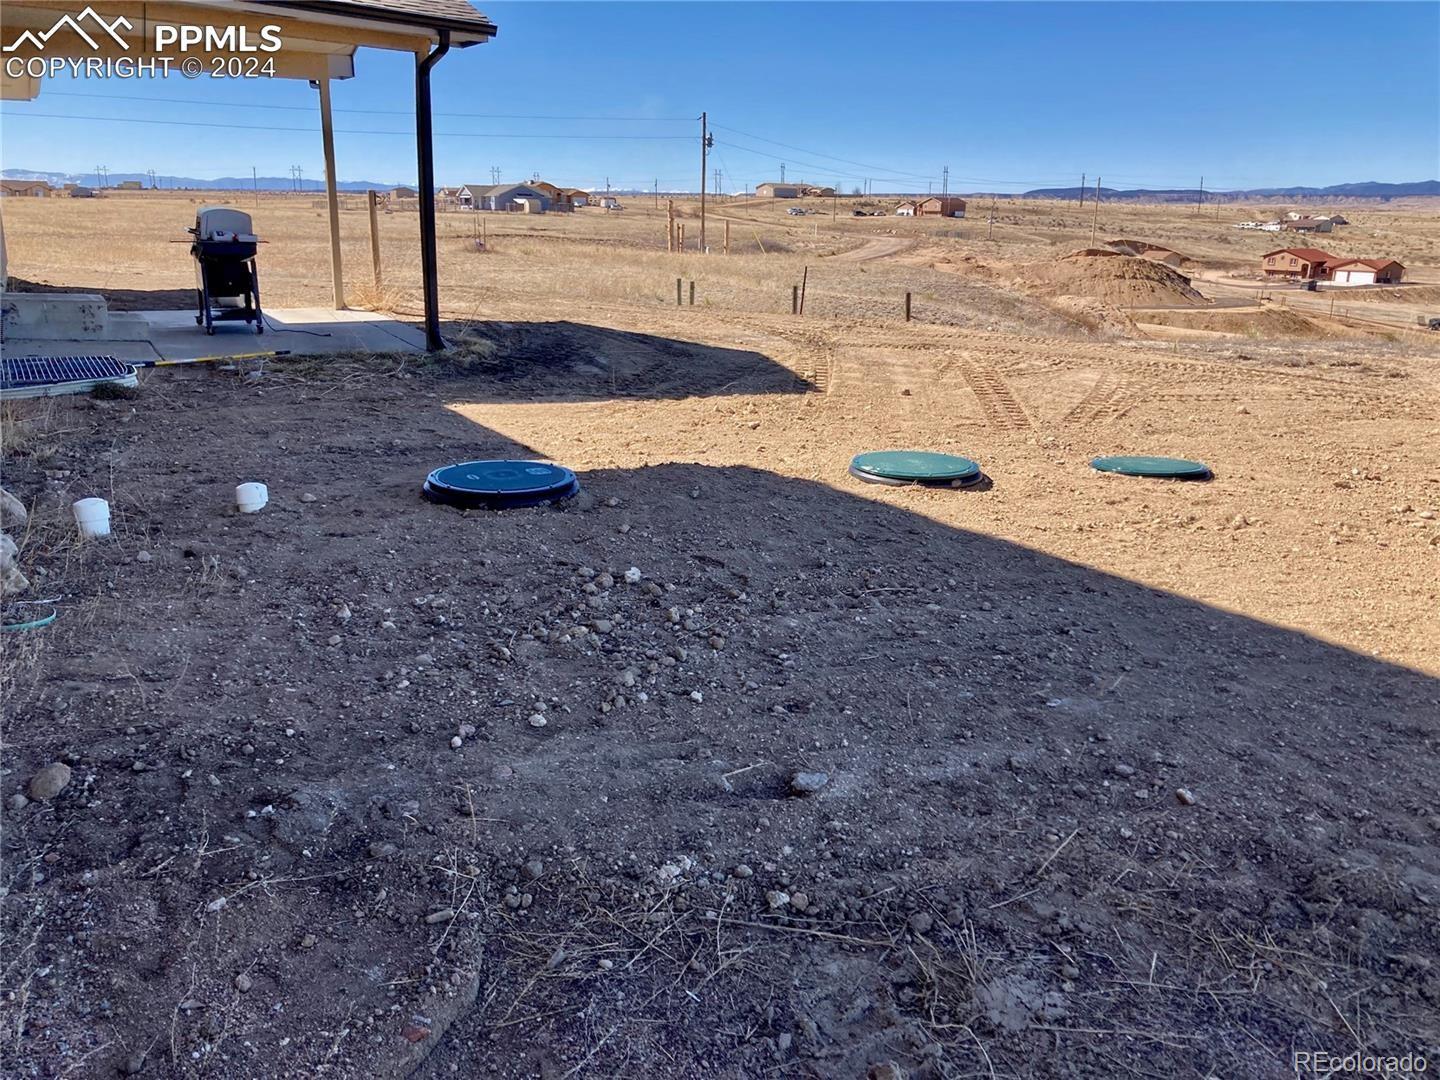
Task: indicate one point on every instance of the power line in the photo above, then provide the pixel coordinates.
(377, 112)
(339, 131)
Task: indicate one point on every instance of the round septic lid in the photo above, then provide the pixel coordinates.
(872, 478)
(1167, 468)
(914, 467)
(500, 484)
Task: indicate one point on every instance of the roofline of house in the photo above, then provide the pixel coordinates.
(479, 30)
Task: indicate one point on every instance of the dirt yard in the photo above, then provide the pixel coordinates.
(733, 765)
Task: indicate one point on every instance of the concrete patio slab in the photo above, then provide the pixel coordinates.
(173, 335)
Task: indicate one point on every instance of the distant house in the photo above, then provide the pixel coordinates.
(575, 197)
(1367, 272)
(131, 185)
(1300, 264)
(1309, 224)
(404, 193)
(80, 191)
(550, 191)
(940, 206)
(31, 189)
(905, 209)
(1338, 219)
(609, 202)
(814, 191)
(777, 191)
(515, 198)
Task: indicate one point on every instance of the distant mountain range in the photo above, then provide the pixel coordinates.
(218, 183)
(1369, 189)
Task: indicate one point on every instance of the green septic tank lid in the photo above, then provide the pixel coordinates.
(915, 466)
(1166, 468)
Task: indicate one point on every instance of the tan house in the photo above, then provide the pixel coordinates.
(905, 209)
(131, 185)
(769, 190)
(1367, 272)
(33, 189)
(1301, 264)
(550, 191)
(398, 193)
(572, 197)
(940, 206)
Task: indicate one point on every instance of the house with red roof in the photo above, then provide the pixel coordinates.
(1367, 272)
(1298, 263)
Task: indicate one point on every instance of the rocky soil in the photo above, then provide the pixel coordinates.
(732, 766)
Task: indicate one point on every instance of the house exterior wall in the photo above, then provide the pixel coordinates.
(940, 206)
(1285, 264)
(1355, 275)
(777, 191)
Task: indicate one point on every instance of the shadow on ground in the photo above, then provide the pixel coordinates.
(1070, 826)
(569, 361)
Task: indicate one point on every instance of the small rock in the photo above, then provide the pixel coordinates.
(12, 511)
(416, 1029)
(808, 783)
(799, 901)
(443, 915)
(742, 871)
(633, 576)
(307, 497)
(243, 982)
(456, 742)
(49, 781)
(921, 922)
(133, 1064)
(308, 941)
(143, 556)
(1185, 796)
(777, 899)
(382, 849)
(532, 870)
(536, 720)
(18, 801)
(1125, 770)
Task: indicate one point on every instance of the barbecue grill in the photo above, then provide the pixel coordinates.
(227, 285)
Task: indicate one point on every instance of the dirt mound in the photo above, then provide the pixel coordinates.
(1095, 315)
(1405, 294)
(1122, 280)
(1253, 322)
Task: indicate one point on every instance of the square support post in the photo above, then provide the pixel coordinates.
(425, 154)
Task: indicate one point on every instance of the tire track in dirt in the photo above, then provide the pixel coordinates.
(998, 403)
(1109, 398)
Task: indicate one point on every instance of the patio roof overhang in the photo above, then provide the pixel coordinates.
(319, 40)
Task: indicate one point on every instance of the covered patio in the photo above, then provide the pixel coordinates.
(318, 42)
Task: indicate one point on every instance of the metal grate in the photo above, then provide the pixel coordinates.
(44, 376)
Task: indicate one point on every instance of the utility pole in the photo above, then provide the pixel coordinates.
(494, 174)
(607, 185)
(705, 143)
(1200, 195)
(782, 172)
(255, 184)
(1095, 220)
(1082, 191)
(990, 234)
(718, 175)
(945, 185)
(657, 193)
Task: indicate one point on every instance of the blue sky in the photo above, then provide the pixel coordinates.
(1010, 96)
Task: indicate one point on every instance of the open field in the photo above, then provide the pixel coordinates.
(1123, 778)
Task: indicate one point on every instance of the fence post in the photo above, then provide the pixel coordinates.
(677, 292)
(692, 294)
(670, 225)
(804, 280)
(794, 299)
(727, 236)
(680, 235)
(907, 307)
(371, 200)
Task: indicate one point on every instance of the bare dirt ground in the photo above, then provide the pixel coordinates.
(1120, 778)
